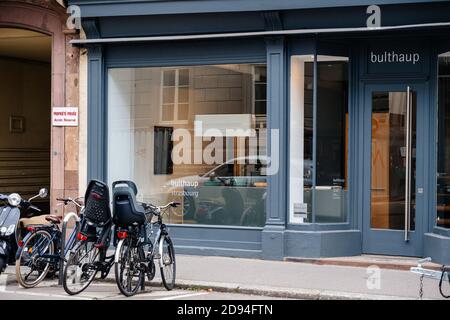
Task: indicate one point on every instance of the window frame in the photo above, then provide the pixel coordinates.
(314, 54)
(161, 123)
(176, 102)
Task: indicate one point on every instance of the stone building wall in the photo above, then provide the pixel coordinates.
(50, 17)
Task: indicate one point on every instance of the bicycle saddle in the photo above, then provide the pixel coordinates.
(127, 211)
(36, 220)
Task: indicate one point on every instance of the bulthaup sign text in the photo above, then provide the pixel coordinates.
(394, 57)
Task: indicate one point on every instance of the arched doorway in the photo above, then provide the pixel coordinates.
(47, 18)
(25, 99)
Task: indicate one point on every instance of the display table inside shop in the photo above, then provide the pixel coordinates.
(331, 204)
(225, 205)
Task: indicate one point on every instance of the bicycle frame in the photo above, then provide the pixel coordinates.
(159, 239)
(156, 248)
(444, 273)
(105, 262)
(65, 248)
(56, 237)
(135, 235)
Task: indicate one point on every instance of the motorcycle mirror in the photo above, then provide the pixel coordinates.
(43, 193)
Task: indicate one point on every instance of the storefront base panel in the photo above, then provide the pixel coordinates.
(271, 243)
(437, 247)
(322, 244)
(217, 241)
(221, 252)
(276, 244)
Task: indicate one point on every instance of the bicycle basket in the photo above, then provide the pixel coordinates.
(97, 210)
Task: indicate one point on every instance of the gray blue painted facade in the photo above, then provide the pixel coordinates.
(278, 238)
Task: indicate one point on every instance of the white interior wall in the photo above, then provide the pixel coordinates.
(297, 115)
(120, 136)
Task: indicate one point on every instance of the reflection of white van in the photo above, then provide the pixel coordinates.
(233, 193)
(243, 171)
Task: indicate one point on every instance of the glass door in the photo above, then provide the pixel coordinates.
(391, 216)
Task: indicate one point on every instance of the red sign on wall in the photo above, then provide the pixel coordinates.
(65, 117)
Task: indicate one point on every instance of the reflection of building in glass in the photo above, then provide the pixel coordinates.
(443, 154)
(228, 101)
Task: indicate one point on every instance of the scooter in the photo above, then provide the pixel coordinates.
(12, 207)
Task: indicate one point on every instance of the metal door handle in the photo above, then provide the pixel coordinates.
(408, 163)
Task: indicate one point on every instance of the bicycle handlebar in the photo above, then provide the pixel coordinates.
(172, 204)
(156, 210)
(67, 200)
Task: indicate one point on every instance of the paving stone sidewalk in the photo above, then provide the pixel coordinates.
(297, 280)
(301, 280)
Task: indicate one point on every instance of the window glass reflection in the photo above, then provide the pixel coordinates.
(443, 156)
(330, 164)
(194, 135)
(332, 136)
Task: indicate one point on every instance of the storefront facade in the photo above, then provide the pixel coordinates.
(285, 130)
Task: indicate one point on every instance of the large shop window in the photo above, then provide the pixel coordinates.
(318, 147)
(443, 146)
(196, 135)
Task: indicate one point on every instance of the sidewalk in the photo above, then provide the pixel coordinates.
(295, 279)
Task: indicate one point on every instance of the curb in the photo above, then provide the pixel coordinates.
(282, 292)
(268, 291)
(402, 266)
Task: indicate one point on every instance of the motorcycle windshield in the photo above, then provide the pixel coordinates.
(9, 216)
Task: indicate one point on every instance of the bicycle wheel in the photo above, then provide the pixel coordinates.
(3, 264)
(81, 268)
(168, 269)
(128, 271)
(31, 266)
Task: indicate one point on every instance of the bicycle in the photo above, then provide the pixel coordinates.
(89, 254)
(442, 276)
(135, 252)
(39, 254)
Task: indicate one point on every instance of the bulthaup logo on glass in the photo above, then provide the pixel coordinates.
(394, 57)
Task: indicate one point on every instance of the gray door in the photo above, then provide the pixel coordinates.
(394, 135)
